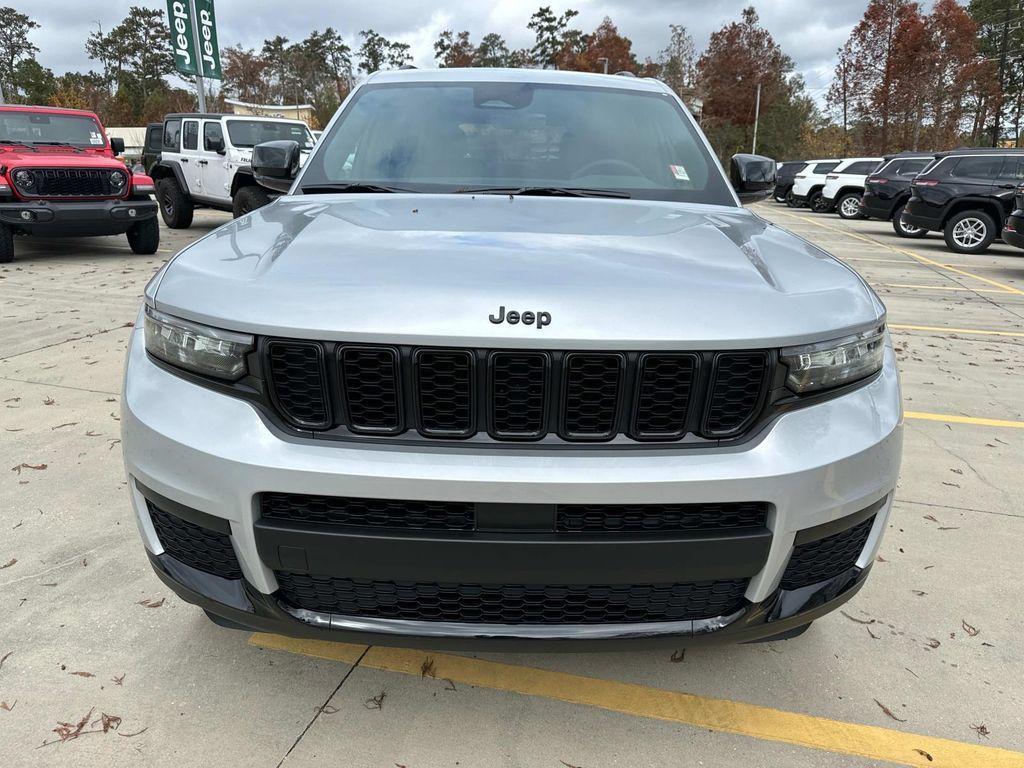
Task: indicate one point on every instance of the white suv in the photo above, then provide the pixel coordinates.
(807, 184)
(204, 162)
(844, 187)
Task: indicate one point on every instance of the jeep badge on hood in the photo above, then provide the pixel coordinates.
(540, 319)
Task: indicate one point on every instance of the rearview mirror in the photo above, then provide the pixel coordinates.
(752, 176)
(275, 164)
(117, 145)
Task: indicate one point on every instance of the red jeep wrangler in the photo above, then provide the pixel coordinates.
(59, 176)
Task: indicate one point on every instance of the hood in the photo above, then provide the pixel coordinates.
(60, 157)
(434, 269)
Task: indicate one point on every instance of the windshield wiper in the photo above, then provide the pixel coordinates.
(12, 143)
(57, 144)
(354, 187)
(547, 192)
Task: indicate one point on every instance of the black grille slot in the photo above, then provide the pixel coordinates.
(370, 378)
(664, 385)
(71, 182)
(299, 382)
(737, 384)
(512, 603)
(518, 390)
(826, 558)
(591, 397)
(202, 549)
(444, 383)
(369, 513)
(659, 518)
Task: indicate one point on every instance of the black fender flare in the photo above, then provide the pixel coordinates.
(165, 167)
(243, 177)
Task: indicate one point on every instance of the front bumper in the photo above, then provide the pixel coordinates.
(84, 218)
(212, 455)
(1013, 232)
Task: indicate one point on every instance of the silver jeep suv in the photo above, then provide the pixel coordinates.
(510, 364)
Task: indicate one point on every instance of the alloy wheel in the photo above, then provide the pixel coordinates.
(909, 229)
(850, 207)
(969, 232)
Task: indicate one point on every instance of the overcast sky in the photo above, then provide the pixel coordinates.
(808, 30)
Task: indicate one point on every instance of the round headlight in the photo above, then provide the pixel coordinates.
(24, 178)
(117, 179)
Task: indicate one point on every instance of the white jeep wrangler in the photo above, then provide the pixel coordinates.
(204, 162)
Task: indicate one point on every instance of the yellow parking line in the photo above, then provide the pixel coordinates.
(966, 288)
(954, 419)
(904, 251)
(944, 330)
(872, 742)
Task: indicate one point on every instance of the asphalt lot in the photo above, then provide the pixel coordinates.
(925, 667)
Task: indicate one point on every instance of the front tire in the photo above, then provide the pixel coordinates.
(6, 244)
(906, 230)
(248, 199)
(848, 206)
(791, 200)
(817, 203)
(176, 207)
(144, 237)
(970, 232)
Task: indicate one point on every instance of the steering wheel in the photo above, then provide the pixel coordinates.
(634, 171)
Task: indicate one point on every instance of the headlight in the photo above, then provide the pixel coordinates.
(195, 347)
(24, 179)
(834, 363)
(117, 179)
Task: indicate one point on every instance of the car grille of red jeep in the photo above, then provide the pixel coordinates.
(70, 182)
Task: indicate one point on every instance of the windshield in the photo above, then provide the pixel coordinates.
(246, 134)
(39, 127)
(430, 137)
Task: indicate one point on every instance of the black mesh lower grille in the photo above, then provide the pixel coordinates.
(370, 379)
(592, 390)
(518, 384)
(369, 513)
(664, 518)
(512, 604)
(200, 548)
(445, 387)
(826, 558)
(299, 382)
(737, 384)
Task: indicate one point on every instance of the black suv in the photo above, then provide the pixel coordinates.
(887, 190)
(966, 194)
(784, 176)
(1013, 230)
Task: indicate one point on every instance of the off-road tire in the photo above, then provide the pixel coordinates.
(6, 244)
(248, 199)
(176, 207)
(144, 237)
(904, 231)
(845, 208)
(970, 232)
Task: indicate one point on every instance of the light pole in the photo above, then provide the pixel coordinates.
(605, 60)
(757, 114)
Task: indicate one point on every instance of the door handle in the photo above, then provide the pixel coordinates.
(184, 159)
(203, 162)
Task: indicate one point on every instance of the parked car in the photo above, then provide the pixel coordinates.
(152, 146)
(1013, 230)
(204, 162)
(967, 195)
(844, 186)
(60, 177)
(808, 184)
(494, 375)
(887, 190)
(784, 176)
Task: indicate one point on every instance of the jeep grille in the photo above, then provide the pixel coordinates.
(70, 182)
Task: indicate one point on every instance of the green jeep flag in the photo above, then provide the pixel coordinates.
(190, 58)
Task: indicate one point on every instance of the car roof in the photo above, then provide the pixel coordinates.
(47, 110)
(923, 155)
(981, 151)
(219, 115)
(490, 75)
(859, 159)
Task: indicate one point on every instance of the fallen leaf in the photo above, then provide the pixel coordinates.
(933, 643)
(677, 656)
(873, 635)
(82, 674)
(49, 401)
(119, 679)
(981, 730)
(924, 754)
(427, 667)
(949, 527)
(329, 709)
(110, 722)
(130, 735)
(67, 731)
(889, 712)
(972, 631)
(112, 444)
(90, 433)
(23, 465)
(66, 424)
(5, 657)
(931, 517)
(568, 765)
(8, 707)
(450, 685)
(376, 702)
(919, 592)
(9, 563)
(151, 603)
(859, 621)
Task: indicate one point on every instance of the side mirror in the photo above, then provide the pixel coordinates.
(275, 164)
(216, 144)
(117, 145)
(752, 176)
